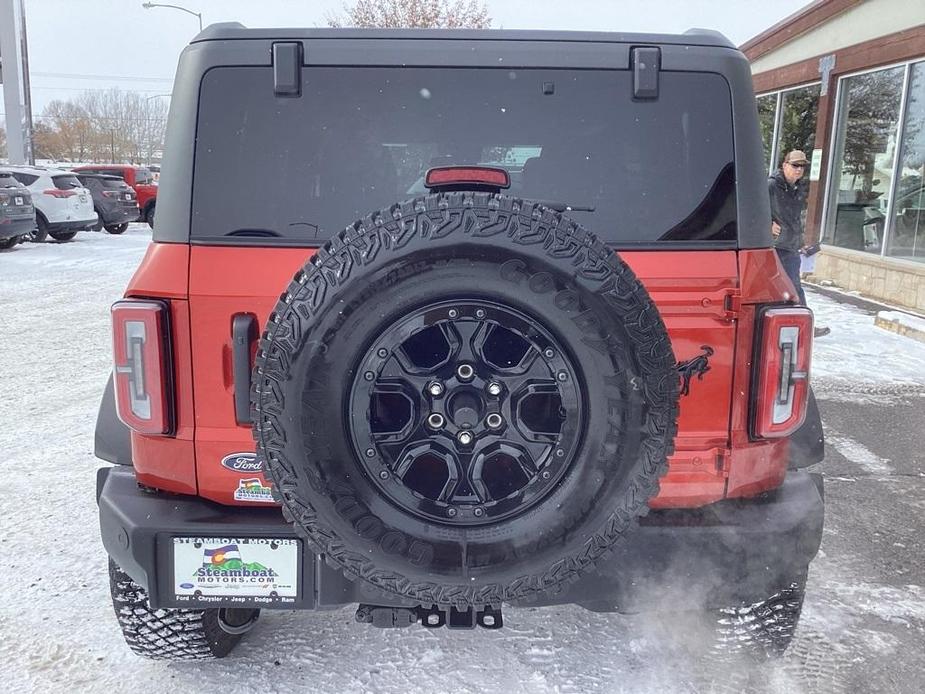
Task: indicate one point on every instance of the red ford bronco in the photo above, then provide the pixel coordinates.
(500, 324)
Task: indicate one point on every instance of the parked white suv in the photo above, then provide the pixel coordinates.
(62, 205)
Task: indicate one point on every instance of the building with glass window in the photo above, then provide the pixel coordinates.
(844, 81)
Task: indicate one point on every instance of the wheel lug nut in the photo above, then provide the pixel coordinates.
(452, 313)
(465, 437)
(369, 375)
(435, 389)
(383, 352)
(494, 421)
(435, 420)
(549, 354)
(562, 376)
(465, 372)
(494, 389)
(384, 474)
(480, 313)
(370, 452)
(451, 512)
(478, 512)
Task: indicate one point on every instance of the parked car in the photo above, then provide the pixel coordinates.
(17, 214)
(431, 406)
(138, 177)
(62, 206)
(113, 199)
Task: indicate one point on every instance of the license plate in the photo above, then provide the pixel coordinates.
(17, 200)
(242, 570)
(128, 196)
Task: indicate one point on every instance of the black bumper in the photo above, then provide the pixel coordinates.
(79, 225)
(119, 215)
(728, 553)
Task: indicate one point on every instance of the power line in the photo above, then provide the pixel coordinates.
(82, 76)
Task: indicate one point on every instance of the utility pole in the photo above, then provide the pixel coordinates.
(112, 146)
(14, 74)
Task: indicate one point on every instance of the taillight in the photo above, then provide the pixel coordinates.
(783, 361)
(111, 193)
(141, 352)
(58, 193)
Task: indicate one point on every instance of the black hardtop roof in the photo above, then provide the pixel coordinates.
(225, 31)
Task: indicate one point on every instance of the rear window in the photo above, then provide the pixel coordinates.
(143, 177)
(112, 183)
(66, 182)
(359, 139)
(7, 181)
(24, 178)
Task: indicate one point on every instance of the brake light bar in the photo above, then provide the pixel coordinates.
(783, 363)
(58, 193)
(489, 176)
(141, 373)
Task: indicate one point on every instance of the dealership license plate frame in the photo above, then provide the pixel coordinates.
(254, 589)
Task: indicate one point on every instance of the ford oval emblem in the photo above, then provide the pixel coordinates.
(186, 586)
(243, 463)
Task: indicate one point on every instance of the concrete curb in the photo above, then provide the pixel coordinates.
(901, 324)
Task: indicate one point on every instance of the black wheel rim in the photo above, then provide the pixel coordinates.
(466, 412)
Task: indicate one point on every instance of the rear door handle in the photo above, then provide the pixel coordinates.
(243, 335)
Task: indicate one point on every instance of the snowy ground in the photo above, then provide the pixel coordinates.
(863, 625)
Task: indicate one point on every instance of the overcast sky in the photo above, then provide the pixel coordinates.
(97, 44)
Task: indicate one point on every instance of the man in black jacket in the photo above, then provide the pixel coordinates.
(788, 198)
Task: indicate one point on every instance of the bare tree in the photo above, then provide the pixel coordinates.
(414, 14)
(111, 125)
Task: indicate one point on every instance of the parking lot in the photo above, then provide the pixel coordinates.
(863, 624)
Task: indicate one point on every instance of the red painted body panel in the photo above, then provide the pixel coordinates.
(697, 292)
(161, 461)
(225, 281)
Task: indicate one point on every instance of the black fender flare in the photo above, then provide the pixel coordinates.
(113, 440)
(807, 445)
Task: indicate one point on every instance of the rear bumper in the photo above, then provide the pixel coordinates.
(78, 225)
(16, 227)
(119, 214)
(737, 551)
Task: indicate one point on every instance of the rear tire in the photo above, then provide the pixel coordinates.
(63, 235)
(172, 634)
(40, 233)
(762, 630)
(6, 244)
(116, 228)
(149, 215)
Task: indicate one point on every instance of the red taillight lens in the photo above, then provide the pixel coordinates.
(785, 350)
(58, 193)
(141, 352)
(111, 193)
(461, 175)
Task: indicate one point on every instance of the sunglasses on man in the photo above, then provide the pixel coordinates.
(797, 166)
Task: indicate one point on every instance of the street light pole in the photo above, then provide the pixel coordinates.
(197, 15)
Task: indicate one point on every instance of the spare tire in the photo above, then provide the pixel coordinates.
(465, 399)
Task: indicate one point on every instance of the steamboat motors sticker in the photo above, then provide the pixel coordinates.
(246, 570)
(253, 489)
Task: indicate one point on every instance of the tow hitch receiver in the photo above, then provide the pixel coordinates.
(432, 618)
